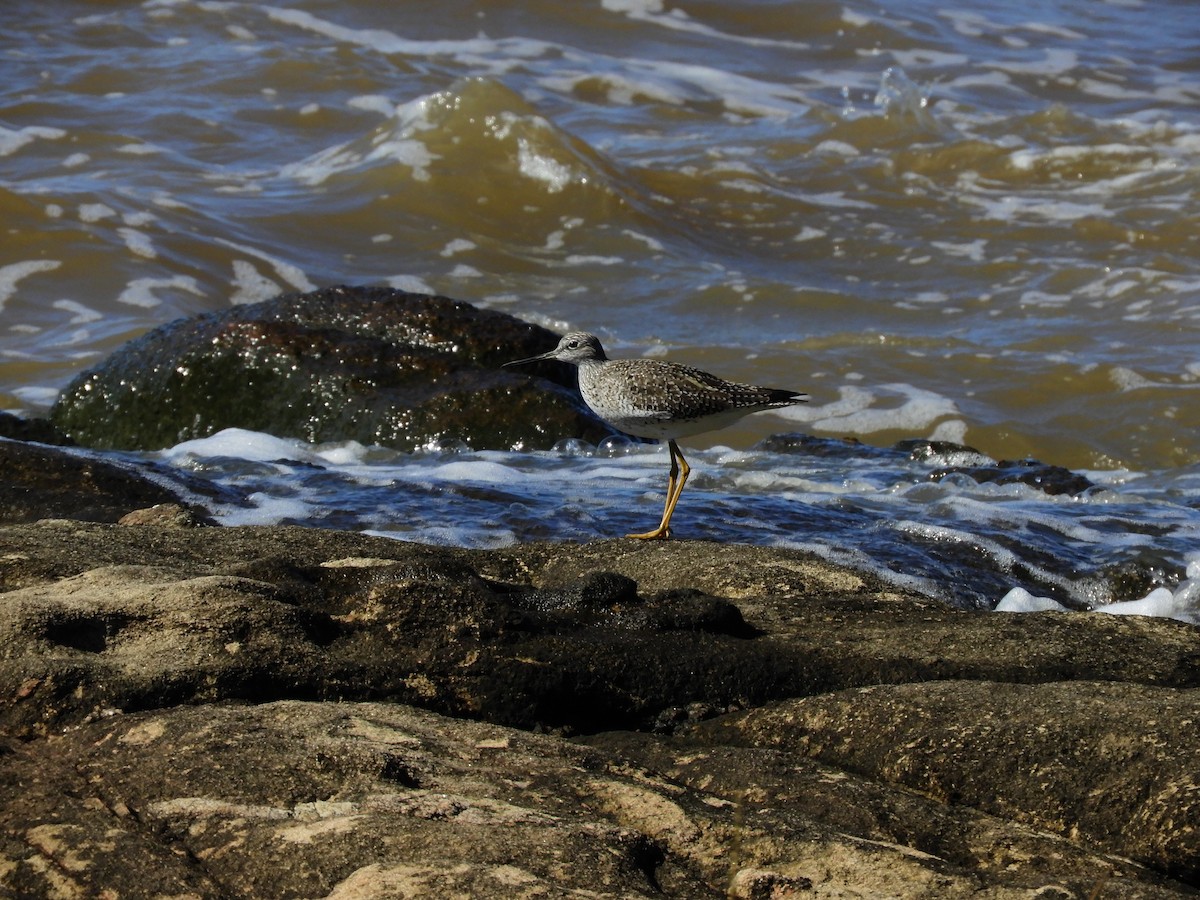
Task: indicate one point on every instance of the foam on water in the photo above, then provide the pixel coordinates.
(860, 410)
(1182, 602)
(970, 544)
(12, 274)
(388, 43)
(13, 139)
(238, 443)
(142, 291)
(397, 141)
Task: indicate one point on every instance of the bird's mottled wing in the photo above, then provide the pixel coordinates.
(683, 392)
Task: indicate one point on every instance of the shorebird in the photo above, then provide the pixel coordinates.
(651, 398)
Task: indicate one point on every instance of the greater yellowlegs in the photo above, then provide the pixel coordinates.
(651, 398)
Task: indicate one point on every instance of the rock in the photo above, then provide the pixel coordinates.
(320, 800)
(1115, 764)
(370, 364)
(44, 482)
(291, 712)
(166, 515)
(950, 459)
(946, 453)
(1048, 479)
(39, 430)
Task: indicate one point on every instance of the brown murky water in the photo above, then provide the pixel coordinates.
(978, 224)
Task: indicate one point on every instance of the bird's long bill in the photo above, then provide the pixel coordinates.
(521, 362)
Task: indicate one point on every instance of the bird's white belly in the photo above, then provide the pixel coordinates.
(659, 425)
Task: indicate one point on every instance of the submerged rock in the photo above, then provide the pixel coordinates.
(948, 458)
(1046, 478)
(371, 364)
(293, 712)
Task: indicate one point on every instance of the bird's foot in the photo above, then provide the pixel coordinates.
(658, 534)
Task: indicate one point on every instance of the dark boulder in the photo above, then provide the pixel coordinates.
(370, 364)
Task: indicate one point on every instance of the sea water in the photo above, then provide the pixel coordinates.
(974, 545)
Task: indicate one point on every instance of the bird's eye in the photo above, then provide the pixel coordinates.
(573, 345)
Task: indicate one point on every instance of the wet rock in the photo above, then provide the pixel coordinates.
(1138, 575)
(949, 458)
(945, 453)
(44, 482)
(1113, 764)
(166, 515)
(287, 799)
(1049, 479)
(37, 430)
(370, 364)
(293, 712)
(343, 800)
(813, 445)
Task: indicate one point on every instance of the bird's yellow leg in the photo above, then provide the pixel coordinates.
(684, 471)
(679, 475)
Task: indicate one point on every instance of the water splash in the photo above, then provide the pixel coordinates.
(900, 99)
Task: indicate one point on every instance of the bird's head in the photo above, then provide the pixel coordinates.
(576, 348)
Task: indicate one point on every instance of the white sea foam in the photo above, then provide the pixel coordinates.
(970, 23)
(808, 233)
(972, 250)
(142, 291)
(836, 148)
(270, 509)
(138, 242)
(1020, 600)
(653, 243)
(1010, 207)
(377, 103)
(81, 315)
(580, 492)
(458, 245)
(95, 212)
(619, 89)
(579, 259)
(250, 285)
(397, 141)
(239, 443)
(1182, 603)
(485, 54)
(1054, 61)
(291, 274)
(857, 410)
(739, 93)
(855, 19)
(12, 274)
(543, 168)
(12, 140)
(412, 283)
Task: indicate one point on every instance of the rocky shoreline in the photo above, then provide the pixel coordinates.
(188, 710)
(287, 712)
